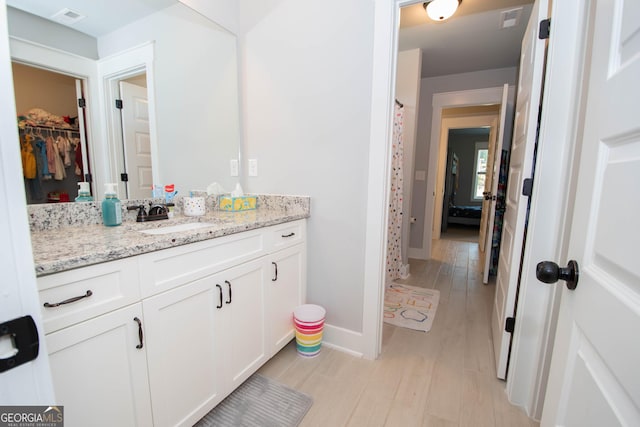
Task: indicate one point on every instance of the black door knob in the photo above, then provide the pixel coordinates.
(550, 272)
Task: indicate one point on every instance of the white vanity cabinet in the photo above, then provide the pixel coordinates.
(96, 345)
(165, 336)
(286, 283)
(203, 340)
(182, 353)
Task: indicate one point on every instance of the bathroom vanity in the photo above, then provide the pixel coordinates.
(158, 328)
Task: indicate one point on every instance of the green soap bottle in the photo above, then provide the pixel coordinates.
(111, 206)
(83, 193)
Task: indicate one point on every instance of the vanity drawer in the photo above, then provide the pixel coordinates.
(288, 234)
(73, 296)
(169, 268)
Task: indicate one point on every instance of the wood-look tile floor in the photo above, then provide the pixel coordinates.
(442, 378)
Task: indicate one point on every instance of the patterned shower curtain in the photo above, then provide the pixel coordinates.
(394, 231)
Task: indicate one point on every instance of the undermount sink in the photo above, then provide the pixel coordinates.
(178, 228)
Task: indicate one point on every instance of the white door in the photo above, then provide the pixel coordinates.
(491, 187)
(136, 140)
(29, 383)
(595, 378)
(520, 167)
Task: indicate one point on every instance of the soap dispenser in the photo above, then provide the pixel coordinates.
(83, 193)
(111, 207)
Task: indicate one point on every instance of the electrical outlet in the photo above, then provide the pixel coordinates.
(253, 167)
(233, 166)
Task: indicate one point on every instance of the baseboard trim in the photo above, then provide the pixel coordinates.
(343, 340)
(418, 253)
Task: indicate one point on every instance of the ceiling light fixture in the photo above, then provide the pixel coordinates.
(440, 10)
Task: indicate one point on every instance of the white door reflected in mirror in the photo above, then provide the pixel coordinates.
(136, 140)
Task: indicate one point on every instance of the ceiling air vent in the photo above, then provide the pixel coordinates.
(67, 17)
(510, 18)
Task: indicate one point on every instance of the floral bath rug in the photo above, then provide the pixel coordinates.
(410, 306)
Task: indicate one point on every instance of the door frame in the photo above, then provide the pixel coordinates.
(111, 70)
(487, 119)
(437, 161)
(534, 333)
(84, 69)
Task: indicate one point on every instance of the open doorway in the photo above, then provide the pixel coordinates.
(465, 175)
(51, 125)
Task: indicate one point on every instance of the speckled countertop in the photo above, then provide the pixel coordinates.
(61, 248)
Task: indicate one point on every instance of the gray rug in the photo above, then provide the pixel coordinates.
(259, 402)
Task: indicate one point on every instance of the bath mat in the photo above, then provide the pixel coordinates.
(259, 402)
(410, 306)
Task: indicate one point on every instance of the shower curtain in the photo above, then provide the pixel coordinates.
(394, 231)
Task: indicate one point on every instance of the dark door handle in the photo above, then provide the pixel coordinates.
(229, 300)
(276, 272)
(219, 290)
(550, 272)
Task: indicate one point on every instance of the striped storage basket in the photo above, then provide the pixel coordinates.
(309, 322)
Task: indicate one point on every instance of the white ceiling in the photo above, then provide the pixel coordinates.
(102, 16)
(471, 40)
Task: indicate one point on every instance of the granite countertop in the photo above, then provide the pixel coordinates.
(76, 246)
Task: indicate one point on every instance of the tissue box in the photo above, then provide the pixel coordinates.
(235, 204)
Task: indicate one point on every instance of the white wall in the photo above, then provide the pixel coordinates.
(39, 30)
(407, 92)
(429, 87)
(196, 94)
(223, 12)
(307, 71)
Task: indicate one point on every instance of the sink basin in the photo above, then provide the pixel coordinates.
(178, 228)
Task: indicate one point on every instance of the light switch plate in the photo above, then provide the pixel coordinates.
(253, 167)
(233, 167)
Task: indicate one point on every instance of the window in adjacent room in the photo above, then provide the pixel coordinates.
(480, 170)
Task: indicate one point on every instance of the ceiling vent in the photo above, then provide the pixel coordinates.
(510, 18)
(68, 17)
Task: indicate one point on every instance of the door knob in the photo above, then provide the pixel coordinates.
(550, 272)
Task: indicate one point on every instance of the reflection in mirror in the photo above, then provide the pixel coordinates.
(136, 139)
(54, 151)
(193, 109)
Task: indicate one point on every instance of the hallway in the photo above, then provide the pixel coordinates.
(442, 378)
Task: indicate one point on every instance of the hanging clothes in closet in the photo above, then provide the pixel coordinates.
(394, 231)
(47, 154)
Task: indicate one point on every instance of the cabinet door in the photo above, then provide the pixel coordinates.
(99, 374)
(242, 334)
(284, 293)
(183, 356)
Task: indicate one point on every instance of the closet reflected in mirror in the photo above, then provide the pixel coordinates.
(52, 139)
(193, 101)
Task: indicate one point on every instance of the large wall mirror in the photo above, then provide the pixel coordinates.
(176, 71)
